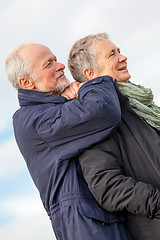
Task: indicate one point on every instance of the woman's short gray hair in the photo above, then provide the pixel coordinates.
(16, 67)
(83, 56)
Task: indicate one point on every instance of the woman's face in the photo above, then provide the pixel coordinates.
(110, 61)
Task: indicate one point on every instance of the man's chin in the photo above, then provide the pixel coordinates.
(60, 87)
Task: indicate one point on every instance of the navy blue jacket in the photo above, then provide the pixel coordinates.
(50, 132)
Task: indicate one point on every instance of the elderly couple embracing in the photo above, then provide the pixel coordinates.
(92, 147)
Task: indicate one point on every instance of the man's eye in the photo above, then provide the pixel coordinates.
(48, 64)
(112, 54)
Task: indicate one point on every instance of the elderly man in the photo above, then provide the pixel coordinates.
(51, 131)
(123, 172)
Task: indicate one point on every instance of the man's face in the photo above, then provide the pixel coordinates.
(48, 73)
(110, 61)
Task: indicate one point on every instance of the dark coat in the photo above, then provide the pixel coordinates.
(50, 132)
(123, 173)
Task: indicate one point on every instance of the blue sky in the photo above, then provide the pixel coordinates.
(134, 26)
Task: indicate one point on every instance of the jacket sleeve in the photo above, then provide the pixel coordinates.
(94, 116)
(103, 171)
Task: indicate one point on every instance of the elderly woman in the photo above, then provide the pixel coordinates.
(123, 171)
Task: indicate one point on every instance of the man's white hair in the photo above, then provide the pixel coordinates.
(16, 67)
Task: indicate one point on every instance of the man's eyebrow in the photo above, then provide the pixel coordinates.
(51, 59)
(54, 58)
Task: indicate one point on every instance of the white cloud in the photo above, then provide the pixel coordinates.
(3, 123)
(22, 206)
(36, 227)
(31, 220)
(11, 160)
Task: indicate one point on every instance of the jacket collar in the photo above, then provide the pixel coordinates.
(28, 97)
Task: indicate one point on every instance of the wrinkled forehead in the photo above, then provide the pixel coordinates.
(35, 53)
(104, 44)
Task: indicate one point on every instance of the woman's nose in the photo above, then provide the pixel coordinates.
(122, 58)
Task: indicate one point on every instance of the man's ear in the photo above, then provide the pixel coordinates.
(89, 73)
(26, 83)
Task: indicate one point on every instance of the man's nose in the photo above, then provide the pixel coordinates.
(60, 66)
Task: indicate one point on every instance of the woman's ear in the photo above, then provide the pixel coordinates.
(89, 73)
(26, 83)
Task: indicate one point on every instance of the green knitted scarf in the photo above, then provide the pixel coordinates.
(141, 100)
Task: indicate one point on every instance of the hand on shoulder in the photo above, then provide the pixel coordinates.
(72, 90)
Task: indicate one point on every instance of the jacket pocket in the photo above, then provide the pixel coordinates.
(99, 215)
